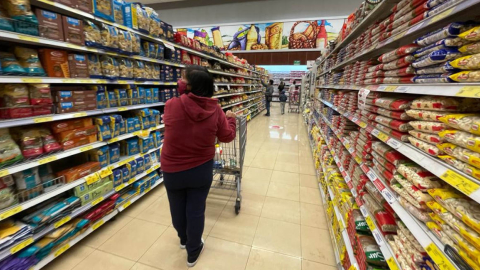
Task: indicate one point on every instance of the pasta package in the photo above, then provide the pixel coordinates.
(104, 9)
(391, 155)
(467, 169)
(466, 122)
(471, 35)
(435, 57)
(461, 153)
(425, 147)
(467, 62)
(419, 196)
(472, 48)
(392, 103)
(425, 115)
(466, 76)
(109, 67)
(451, 30)
(426, 137)
(462, 139)
(436, 103)
(418, 176)
(428, 127)
(395, 54)
(446, 43)
(109, 36)
(93, 37)
(392, 123)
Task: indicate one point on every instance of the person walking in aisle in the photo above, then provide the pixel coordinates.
(283, 99)
(192, 122)
(268, 95)
(292, 91)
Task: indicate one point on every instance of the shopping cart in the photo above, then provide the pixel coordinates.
(228, 162)
(294, 102)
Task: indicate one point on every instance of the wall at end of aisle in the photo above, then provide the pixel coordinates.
(278, 58)
(270, 10)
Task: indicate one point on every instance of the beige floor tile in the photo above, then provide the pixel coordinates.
(134, 239)
(268, 260)
(105, 261)
(280, 209)
(316, 246)
(70, 259)
(310, 195)
(313, 215)
(258, 174)
(306, 168)
(284, 191)
(139, 266)
(279, 236)
(158, 212)
(308, 181)
(264, 161)
(251, 204)
(139, 206)
(222, 254)
(98, 237)
(255, 187)
(285, 178)
(211, 216)
(287, 157)
(286, 148)
(286, 167)
(236, 228)
(165, 253)
(309, 265)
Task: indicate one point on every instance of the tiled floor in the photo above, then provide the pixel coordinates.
(281, 224)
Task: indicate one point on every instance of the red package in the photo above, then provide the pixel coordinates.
(392, 103)
(395, 54)
(50, 144)
(389, 154)
(186, 58)
(393, 123)
(383, 162)
(386, 222)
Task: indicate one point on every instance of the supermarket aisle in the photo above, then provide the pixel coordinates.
(281, 224)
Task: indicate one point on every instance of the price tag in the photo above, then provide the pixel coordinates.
(169, 46)
(47, 160)
(148, 190)
(377, 236)
(80, 114)
(354, 192)
(116, 139)
(122, 82)
(11, 212)
(358, 159)
(359, 202)
(354, 119)
(92, 178)
(438, 257)
(441, 16)
(394, 143)
(61, 250)
(364, 168)
(375, 132)
(97, 225)
(382, 136)
(97, 201)
(28, 38)
(341, 168)
(369, 129)
(392, 264)
(370, 223)
(132, 181)
(459, 182)
(379, 184)
(21, 246)
(121, 109)
(362, 124)
(347, 179)
(4, 173)
(469, 91)
(388, 196)
(401, 89)
(363, 210)
(86, 148)
(42, 119)
(390, 88)
(350, 186)
(351, 150)
(371, 175)
(62, 221)
(119, 187)
(105, 172)
(127, 204)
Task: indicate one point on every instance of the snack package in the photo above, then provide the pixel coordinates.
(391, 103)
(93, 37)
(465, 122)
(433, 78)
(139, 71)
(388, 153)
(136, 44)
(142, 19)
(28, 59)
(104, 9)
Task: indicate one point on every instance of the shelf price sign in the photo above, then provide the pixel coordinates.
(459, 182)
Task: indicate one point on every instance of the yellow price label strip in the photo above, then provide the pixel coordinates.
(392, 264)
(362, 124)
(390, 88)
(42, 119)
(131, 181)
(98, 224)
(370, 223)
(358, 159)
(382, 136)
(4, 173)
(148, 190)
(32, 80)
(459, 182)
(62, 221)
(116, 139)
(86, 148)
(121, 109)
(127, 204)
(61, 250)
(92, 178)
(105, 172)
(21, 246)
(97, 201)
(469, 91)
(122, 186)
(28, 38)
(80, 114)
(11, 212)
(122, 82)
(47, 160)
(441, 15)
(439, 258)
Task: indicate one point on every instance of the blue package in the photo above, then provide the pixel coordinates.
(436, 57)
(94, 66)
(160, 51)
(117, 177)
(101, 99)
(433, 78)
(148, 96)
(151, 143)
(122, 97)
(145, 122)
(114, 152)
(101, 155)
(130, 124)
(137, 125)
(151, 119)
(123, 128)
(132, 168)
(437, 69)
(104, 10)
(132, 96)
(451, 30)
(141, 95)
(140, 165)
(10, 64)
(30, 61)
(131, 146)
(155, 95)
(112, 101)
(118, 11)
(5, 24)
(147, 162)
(125, 174)
(162, 95)
(445, 43)
(116, 119)
(144, 144)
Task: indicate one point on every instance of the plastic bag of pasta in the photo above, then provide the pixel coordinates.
(125, 68)
(471, 48)
(471, 35)
(109, 67)
(428, 127)
(155, 27)
(426, 137)
(461, 138)
(430, 149)
(467, 62)
(139, 72)
(421, 178)
(109, 36)
(20, 10)
(125, 41)
(462, 166)
(93, 37)
(425, 115)
(465, 122)
(136, 44)
(463, 154)
(435, 103)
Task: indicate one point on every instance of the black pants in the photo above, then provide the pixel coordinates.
(268, 107)
(187, 193)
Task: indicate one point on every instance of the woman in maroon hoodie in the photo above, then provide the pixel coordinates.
(192, 122)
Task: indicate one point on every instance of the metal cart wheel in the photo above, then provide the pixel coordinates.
(221, 179)
(237, 206)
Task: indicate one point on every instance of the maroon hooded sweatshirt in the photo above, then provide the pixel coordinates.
(191, 125)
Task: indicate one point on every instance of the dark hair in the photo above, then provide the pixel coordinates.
(271, 81)
(200, 81)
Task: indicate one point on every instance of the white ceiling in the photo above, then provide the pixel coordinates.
(175, 4)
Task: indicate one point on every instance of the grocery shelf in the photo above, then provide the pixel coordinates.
(230, 74)
(427, 240)
(140, 133)
(8, 212)
(456, 178)
(50, 80)
(59, 251)
(471, 90)
(64, 116)
(235, 94)
(234, 84)
(238, 103)
(466, 9)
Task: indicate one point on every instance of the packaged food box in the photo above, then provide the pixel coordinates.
(78, 106)
(104, 9)
(85, 5)
(78, 65)
(49, 24)
(69, 3)
(79, 171)
(72, 96)
(76, 142)
(73, 30)
(55, 63)
(60, 126)
(76, 133)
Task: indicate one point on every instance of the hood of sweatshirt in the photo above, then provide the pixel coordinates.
(198, 108)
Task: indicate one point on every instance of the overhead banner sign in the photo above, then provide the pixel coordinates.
(291, 35)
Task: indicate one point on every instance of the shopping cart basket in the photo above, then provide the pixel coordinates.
(294, 102)
(228, 162)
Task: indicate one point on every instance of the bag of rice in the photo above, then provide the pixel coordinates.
(436, 57)
(428, 127)
(418, 176)
(390, 154)
(425, 115)
(425, 147)
(392, 123)
(461, 153)
(401, 136)
(403, 72)
(383, 162)
(400, 63)
(465, 122)
(426, 137)
(462, 139)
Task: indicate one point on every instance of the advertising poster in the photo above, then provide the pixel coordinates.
(291, 35)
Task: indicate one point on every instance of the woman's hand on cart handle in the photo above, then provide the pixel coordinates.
(230, 114)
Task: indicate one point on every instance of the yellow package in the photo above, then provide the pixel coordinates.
(463, 154)
(471, 35)
(466, 76)
(467, 259)
(467, 62)
(461, 138)
(460, 241)
(471, 48)
(465, 122)
(464, 167)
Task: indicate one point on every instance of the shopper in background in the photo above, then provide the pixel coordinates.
(283, 98)
(268, 95)
(281, 86)
(293, 93)
(192, 122)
